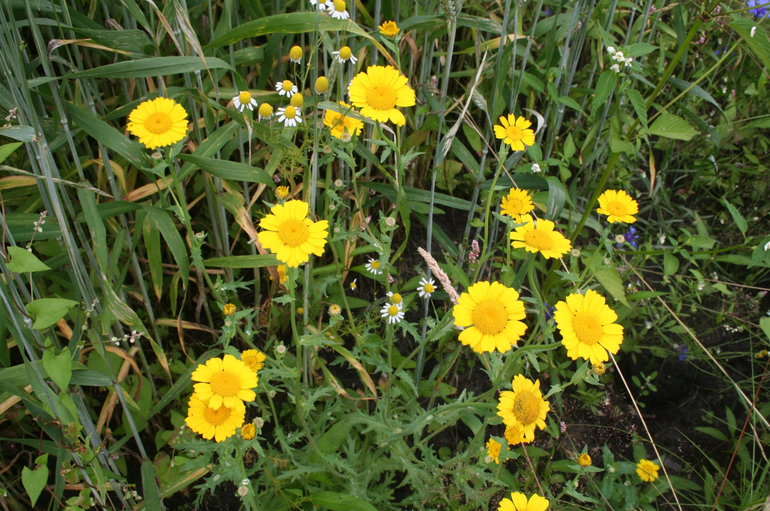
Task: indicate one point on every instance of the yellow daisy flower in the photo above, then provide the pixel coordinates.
(647, 470)
(389, 29)
(248, 431)
(378, 91)
(524, 408)
(225, 381)
(514, 436)
(158, 122)
(492, 311)
(584, 460)
(618, 206)
(291, 235)
(541, 238)
(295, 54)
(493, 450)
(282, 277)
(219, 423)
(519, 502)
(229, 309)
(515, 132)
(517, 203)
(339, 124)
(587, 326)
(321, 84)
(254, 359)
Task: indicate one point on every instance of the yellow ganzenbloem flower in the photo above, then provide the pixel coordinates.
(647, 470)
(339, 124)
(515, 132)
(517, 203)
(493, 450)
(618, 206)
(254, 359)
(587, 326)
(224, 381)
(158, 122)
(540, 237)
(524, 408)
(291, 235)
(519, 502)
(584, 460)
(514, 436)
(378, 91)
(248, 431)
(219, 423)
(491, 313)
(389, 29)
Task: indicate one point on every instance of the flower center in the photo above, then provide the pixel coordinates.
(158, 123)
(293, 232)
(250, 362)
(339, 5)
(587, 328)
(345, 53)
(396, 298)
(514, 133)
(375, 265)
(265, 110)
(290, 112)
(490, 317)
(428, 288)
(617, 208)
(245, 97)
(287, 85)
(381, 97)
(526, 407)
(393, 310)
(540, 240)
(225, 384)
(217, 417)
(513, 206)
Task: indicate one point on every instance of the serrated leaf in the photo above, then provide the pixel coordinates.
(622, 146)
(24, 261)
(637, 101)
(701, 241)
(639, 49)
(339, 502)
(34, 481)
(604, 87)
(47, 311)
(610, 279)
(670, 263)
(758, 43)
(58, 367)
(672, 126)
(568, 101)
(740, 222)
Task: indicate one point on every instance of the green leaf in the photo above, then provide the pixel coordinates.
(604, 87)
(20, 133)
(47, 311)
(639, 49)
(230, 170)
(24, 261)
(34, 481)
(610, 279)
(672, 126)
(764, 324)
(156, 66)
(740, 222)
(107, 135)
(339, 502)
(173, 239)
(701, 241)
(759, 43)
(670, 263)
(637, 101)
(557, 196)
(245, 261)
(59, 367)
(568, 101)
(622, 146)
(7, 149)
(150, 485)
(694, 90)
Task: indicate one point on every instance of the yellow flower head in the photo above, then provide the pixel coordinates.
(378, 91)
(339, 124)
(599, 368)
(248, 431)
(291, 235)
(321, 84)
(517, 203)
(282, 277)
(491, 314)
(225, 381)
(514, 436)
(515, 132)
(389, 29)
(519, 502)
(524, 408)
(158, 122)
(295, 54)
(254, 359)
(281, 192)
(587, 326)
(297, 100)
(584, 460)
(541, 238)
(229, 309)
(493, 450)
(219, 423)
(647, 470)
(618, 206)
(265, 111)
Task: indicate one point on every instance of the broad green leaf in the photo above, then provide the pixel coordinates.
(622, 146)
(47, 311)
(610, 279)
(156, 66)
(245, 261)
(672, 126)
(20, 133)
(712, 432)
(694, 90)
(568, 101)
(637, 101)
(339, 502)
(34, 481)
(151, 491)
(639, 49)
(107, 135)
(24, 261)
(740, 222)
(557, 196)
(7, 149)
(59, 367)
(764, 324)
(701, 241)
(230, 170)
(172, 237)
(758, 42)
(670, 263)
(604, 87)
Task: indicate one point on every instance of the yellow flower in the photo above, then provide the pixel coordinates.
(517, 203)
(295, 54)
(587, 326)
(219, 423)
(321, 84)
(340, 124)
(254, 359)
(297, 100)
(229, 309)
(493, 450)
(389, 29)
(618, 206)
(282, 277)
(158, 122)
(524, 408)
(335, 310)
(514, 436)
(515, 132)
(518, 502)
(225, 381)
(378, 91)
(541, 238)
(291, 235)
(248, 431)
(584, 460)
(599, 368)
(647, 470)
(492, 311)
(281, 192)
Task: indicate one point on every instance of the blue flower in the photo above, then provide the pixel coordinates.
(682, 352)
(631, 238)
(760, 12)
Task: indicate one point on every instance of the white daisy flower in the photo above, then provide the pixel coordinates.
(344, 55)
(286, 88)
(374, 267)
(338, 9)
(244, 100)
(396, 299)
(320, 5)
(265, 111)
(427, 287)
(289, 116)
(393, 313)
